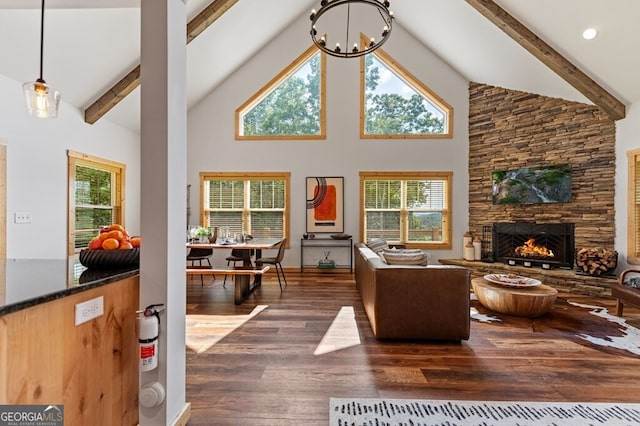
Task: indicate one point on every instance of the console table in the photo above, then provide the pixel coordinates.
(326, 243)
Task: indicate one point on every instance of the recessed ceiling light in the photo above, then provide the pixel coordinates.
(590, 34)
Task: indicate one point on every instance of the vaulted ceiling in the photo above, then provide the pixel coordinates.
(90, 45)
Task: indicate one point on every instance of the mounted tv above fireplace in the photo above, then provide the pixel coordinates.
(532, 185)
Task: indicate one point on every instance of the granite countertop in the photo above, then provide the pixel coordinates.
(29, 282)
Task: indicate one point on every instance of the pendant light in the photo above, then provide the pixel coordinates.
(42, 100)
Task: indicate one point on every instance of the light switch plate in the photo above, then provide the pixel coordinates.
(89, 310)
(24, 217)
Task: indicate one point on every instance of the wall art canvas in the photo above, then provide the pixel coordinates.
(325, 204)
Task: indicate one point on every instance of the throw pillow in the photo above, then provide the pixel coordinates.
(401, 258)
(406, 251)
(377, 244)
(632, 281)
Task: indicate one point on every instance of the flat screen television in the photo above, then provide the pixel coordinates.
(532, 185)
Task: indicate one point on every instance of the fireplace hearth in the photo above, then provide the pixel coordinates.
(545, 245)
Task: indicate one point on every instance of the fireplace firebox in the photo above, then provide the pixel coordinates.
(547, 245)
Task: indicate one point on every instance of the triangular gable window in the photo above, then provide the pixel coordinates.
(395, 104)
(291, 106)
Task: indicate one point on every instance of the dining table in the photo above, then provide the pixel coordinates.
(255, 244)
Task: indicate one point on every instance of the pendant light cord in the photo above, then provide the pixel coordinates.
(41, 38)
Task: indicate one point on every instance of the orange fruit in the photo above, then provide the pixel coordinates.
(118, 235)
(116, 227)
(135, 241)
(95, 244)
(126, 245)
(110, 244)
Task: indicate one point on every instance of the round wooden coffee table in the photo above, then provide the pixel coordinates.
(523, 302)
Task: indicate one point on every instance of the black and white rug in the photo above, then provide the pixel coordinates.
(587, 325)
(410, 412)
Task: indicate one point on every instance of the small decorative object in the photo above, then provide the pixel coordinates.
(312, 236)
(109, 259)
(305, 235)
(477, 249)
(327, 263)
(202, 234)
(487, 244)
(467, 238)
(340, 236)
(468, 253)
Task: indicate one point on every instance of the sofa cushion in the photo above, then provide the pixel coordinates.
(400, 257)
(377, 244)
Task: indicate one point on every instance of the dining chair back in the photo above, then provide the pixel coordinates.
(237, 255)
(276, 261)
(200, 254)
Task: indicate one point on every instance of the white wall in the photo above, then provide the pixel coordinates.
(37, 170)
(211, 144)
(627, 138)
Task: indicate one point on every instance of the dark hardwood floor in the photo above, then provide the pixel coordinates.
(265, 372)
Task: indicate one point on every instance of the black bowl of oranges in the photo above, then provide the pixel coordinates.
(111, 248)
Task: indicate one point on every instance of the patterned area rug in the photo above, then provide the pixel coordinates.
(405, 412)
(591, 326)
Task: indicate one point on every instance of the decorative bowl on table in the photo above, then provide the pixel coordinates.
(340, 236)
(106, 259)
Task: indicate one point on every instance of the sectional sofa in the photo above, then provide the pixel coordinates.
(404, 301)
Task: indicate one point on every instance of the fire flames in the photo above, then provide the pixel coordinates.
(530, 249)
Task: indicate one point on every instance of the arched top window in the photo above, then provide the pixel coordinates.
(291, 106)
(395, 104)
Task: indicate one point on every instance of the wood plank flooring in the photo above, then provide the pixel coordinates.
(265, 372)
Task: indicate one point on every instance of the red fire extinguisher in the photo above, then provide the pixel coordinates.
(148, 332)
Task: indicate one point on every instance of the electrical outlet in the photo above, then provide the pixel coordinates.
(22, 217)
(89, 310)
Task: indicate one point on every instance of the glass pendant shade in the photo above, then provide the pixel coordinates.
(42, 101)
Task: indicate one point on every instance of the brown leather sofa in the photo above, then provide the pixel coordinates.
(413, 302)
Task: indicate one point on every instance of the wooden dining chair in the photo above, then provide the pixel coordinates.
(276, 262)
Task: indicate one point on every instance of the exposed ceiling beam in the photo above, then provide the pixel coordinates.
(132, 80)
(547, 55)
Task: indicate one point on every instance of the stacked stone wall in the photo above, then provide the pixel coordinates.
(509, 130)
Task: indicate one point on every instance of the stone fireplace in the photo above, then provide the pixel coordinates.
(509, 129)
(545, 245)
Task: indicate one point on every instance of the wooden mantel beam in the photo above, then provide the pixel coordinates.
(550, 57)
(132, 80)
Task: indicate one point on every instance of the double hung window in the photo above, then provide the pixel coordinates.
(411, 208)
(253, 203)
(633, 213)
(96, 197)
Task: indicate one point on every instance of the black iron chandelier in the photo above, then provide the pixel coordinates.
(358, 49)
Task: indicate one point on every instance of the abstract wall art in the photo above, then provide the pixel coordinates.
(325, 204)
